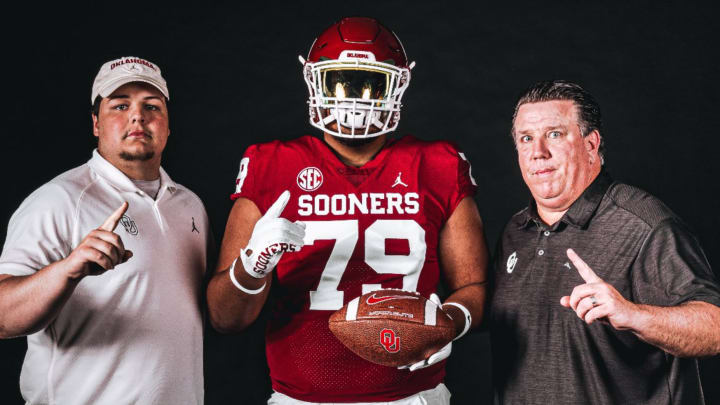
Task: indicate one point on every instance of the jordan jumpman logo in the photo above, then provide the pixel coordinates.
(399, 181)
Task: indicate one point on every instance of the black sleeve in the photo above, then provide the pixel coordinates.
(671, 268)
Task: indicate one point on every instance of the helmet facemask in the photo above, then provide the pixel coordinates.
(360, 96)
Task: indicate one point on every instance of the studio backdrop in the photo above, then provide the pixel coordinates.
(235, 80)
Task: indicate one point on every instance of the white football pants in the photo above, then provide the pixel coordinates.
(436, 396)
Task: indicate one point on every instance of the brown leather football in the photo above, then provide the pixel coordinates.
(392, 327)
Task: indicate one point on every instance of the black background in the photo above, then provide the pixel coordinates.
(235, 80)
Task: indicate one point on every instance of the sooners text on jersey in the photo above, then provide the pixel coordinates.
(371, 227)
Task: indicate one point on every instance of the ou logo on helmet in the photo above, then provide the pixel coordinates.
(310, 179)
(389, 341)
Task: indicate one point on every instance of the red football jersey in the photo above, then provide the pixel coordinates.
(371, 227)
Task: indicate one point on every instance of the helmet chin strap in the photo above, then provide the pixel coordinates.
(327, 120)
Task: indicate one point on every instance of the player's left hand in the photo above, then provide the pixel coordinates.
(596, 299)
(436, 357)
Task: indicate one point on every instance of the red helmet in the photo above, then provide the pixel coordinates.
(356, 74)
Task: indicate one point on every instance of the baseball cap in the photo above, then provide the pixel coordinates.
(125, 70)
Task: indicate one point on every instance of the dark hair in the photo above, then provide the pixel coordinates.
(95, 110)
(588, 109)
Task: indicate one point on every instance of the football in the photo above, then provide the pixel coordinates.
(392, 327)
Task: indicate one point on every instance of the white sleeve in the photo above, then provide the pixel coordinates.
(39, 232)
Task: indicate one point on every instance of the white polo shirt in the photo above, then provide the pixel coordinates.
(132, 335)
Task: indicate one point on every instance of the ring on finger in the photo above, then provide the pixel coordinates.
(593, 301)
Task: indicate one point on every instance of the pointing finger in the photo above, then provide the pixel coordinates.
(585, 271)
(278, 206)
(111, 223)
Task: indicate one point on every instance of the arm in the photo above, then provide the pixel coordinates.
(236, 295)
(464, 259)
(229, 308)
(30, 303)
(686, 330)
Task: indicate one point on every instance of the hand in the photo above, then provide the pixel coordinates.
(596, 299)
(436, 357)
(100, 250)
(271, 237)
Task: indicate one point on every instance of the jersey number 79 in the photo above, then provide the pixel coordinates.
(345, 233)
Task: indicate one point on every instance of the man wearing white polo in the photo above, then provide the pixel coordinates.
(102, 266)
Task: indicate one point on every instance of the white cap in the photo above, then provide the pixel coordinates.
(125, 70)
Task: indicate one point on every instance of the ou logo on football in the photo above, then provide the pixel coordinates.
(309, 178)
(389, 341)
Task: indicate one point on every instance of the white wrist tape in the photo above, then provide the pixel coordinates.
(240, 287)
(468, 318)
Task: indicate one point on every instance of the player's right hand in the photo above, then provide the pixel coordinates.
(436, 357)
(271, 237)
(101, 250)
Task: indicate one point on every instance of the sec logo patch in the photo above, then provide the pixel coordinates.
(310, 179)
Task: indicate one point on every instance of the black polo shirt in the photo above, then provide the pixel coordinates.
(542, 352)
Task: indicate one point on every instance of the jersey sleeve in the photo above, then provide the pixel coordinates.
(260, 168)
(466, 185)
(671, 268)
(454, 173)
(39, 232)
(245, 183)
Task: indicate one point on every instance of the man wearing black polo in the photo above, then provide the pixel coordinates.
(601, 294)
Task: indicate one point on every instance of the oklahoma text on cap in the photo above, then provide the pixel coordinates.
(125, 70)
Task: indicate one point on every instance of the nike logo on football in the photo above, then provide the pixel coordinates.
(372, 300)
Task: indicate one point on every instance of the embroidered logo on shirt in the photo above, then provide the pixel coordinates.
(310, 179)
(398, 181)
(194, 228)
(129, 225)
(567, 264)
(511, 262)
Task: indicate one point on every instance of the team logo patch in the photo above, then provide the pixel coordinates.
(372, 300)
(511, 262)
(389, 340)
(310, 179)
(129, 225)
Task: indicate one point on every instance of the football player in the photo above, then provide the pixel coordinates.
(326, 219)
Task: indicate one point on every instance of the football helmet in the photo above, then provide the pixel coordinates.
(356, 73)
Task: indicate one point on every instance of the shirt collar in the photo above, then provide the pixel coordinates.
(579, 213)
(583, 209)
(119, 180)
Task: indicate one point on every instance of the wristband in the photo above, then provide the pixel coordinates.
(240, 287)
(468, 318)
